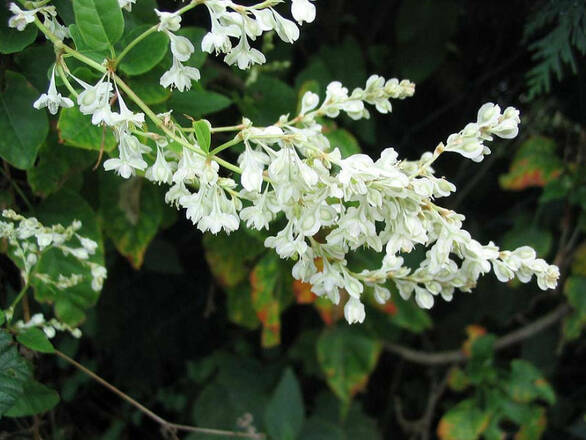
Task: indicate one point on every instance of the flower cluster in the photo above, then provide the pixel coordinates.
(331, 205)
(29, 239)
(230, 20)
(21, 18)
(50, 327)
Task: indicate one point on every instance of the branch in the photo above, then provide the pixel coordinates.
(166, 426)
(512, 338)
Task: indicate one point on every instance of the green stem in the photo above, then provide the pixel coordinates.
(63, 76)
(134, 43)
(18, 190)
(145, 108)
(17, 300)
(60, 45)
(226, 145)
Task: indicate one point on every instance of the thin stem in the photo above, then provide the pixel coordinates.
(17, 300)
(168, 426)
(226, 145)
(60, 45)
(159, 123)
(134, 43)
(63, 76)
(454, 356)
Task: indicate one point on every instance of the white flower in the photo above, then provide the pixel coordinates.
(181, 47)
(354, 311)
(217, 42)
(381, 294)
(125, 117)
(286, 29)
(161, 171)
(168, 21)
(52, 99)
(303, 10)
(21, 18)
(127, 4)
(252, 163)
(244, 56)
(180, 76)
(96, 100)
(309, 101)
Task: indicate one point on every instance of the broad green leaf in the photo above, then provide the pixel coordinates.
(197, 103)
(409, 316)
(285, 413)
(34, 62)
(23, 127)
(35, 339)
(146, 54)
(100, 21)
(347, 358)
(575, 290)
(95, 53)
(534, 164)
(76, 130)
(572, 326)
(12, 40)
(148, 89)
(317, 428)
(14, 373)
(63, 207)
(271, 283)
(131, 211)
(465, 421)
(526, 383)
(35, 399)
(2, 317)
(344, 140)
(55, 166)
(240, 307)
(528, 235)
(533, 427)
(230, 257)
(267, 99)
(203, 134)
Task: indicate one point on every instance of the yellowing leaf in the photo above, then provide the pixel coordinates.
(535, 164)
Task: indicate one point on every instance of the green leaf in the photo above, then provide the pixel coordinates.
(272, 291)
(285, 413)
(34, 62)
(345, 141)
(35, 339)
(23, 127)
(100, 21)
(63, 207)
(230, 258)
(534, 425)
(347, 357)
(465, 421)
(2, 317)
(76, 130)
(95, 53)
(267, 99)
(575, 290)
(526, 383)
(36, 398)
(409, 316)
(55, 166)
(203, 134)
(13, 40)
(132, 212)
(534, 164)
(148, 88)
(528, 235)
(197, 103)
(14, 373)
(240, 308)
(317, 428)
(146, 54)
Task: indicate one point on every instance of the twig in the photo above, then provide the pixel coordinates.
(168, 427)
(455, 356)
